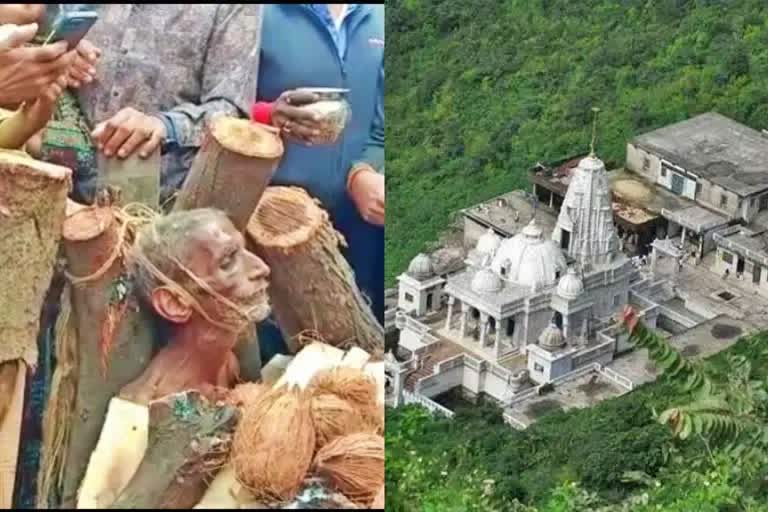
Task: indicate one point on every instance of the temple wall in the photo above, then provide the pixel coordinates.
(643, 163)
(472, 232)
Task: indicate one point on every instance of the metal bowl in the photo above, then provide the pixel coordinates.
(326, 93)
(334, 112)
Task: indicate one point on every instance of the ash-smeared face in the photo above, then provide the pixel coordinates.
(218, 256)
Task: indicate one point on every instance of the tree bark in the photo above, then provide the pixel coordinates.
(32, 202)
(232, 168)
(13, 378)
(90, 237)
(132, 179)
(312, 286)
(188, 440)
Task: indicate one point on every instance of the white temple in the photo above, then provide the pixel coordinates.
(536, 303)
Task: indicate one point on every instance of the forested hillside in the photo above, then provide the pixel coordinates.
(478, 91)
(614, 457)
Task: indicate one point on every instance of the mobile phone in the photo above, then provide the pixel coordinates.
(72, 26)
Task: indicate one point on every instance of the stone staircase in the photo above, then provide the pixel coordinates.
(512, 360)
(427, 368)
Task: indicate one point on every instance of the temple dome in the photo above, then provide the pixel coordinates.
(552, 337)
(570, 286)
(488, 242)
(529, 259)
(421, 267)
(486, 281)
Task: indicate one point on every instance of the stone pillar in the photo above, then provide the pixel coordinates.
(483, 328)
(448, 319)
(464, 315)
(654, 257)
(501, 325)
(682, 238)
(551, 199)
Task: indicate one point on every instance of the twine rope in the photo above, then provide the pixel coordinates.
(133, 216)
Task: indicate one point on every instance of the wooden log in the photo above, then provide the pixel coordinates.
(233, 167)
(32, 202)
(275, 369)
(120, 449)
(219, 494)
(187, 438)
(378, 501)
(13, 375)
(312, 286)
(132, 179)
(90, 238)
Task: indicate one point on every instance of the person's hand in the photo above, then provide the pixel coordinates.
(39, 112)
(367, 190)
(83, 70)
(127, 131)
(26, 73)
(21, 14)
(295, 122)
(14, 36)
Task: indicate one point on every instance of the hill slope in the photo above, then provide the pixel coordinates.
(479, 91)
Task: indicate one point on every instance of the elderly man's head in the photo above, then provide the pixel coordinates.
(202, 252)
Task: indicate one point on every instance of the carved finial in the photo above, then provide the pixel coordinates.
(594, 131)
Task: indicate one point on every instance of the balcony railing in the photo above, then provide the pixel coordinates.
(430, 405)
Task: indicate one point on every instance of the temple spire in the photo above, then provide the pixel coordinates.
(594, 131)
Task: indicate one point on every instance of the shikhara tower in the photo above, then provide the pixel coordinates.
(584, 227)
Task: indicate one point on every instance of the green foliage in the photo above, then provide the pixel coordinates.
(477, 92)
(734, 410)
(594, 445)
(670, 360)
(623, 459)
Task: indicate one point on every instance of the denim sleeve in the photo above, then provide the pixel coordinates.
(373, 153)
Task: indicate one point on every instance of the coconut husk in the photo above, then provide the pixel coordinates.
(273, 444)
(333, 416)
(354, 386)
(246, 393)
(353, 465)
(378, 502)
(350, 384)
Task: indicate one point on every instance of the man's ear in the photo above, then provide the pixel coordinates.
(170, 306)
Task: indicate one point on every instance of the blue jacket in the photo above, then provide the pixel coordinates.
(298, 51)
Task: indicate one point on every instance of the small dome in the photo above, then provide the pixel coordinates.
(528, 259)
(570, 286)
(421, 267)
(532, 230)
(552, 337)
(488, 243)
(486, 281)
